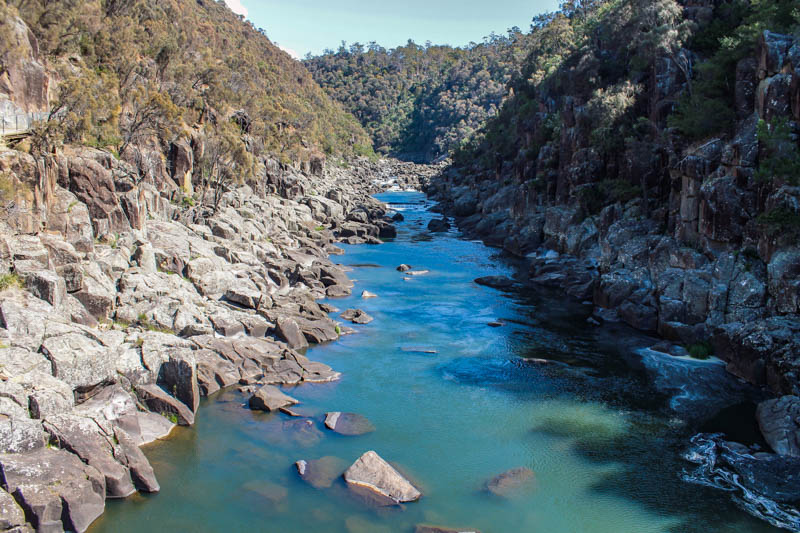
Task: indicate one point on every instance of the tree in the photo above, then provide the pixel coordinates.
(151, 112)
(225, 161)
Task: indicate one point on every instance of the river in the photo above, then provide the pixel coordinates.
(602, 423)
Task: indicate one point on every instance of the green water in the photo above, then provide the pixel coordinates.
(602, 426)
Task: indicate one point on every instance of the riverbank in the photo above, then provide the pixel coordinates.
(122, 305)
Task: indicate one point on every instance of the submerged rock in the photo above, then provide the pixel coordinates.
(348, 423)
(510, 482)
(321, 473)
(270, 398)
(496, 282)
(356, 316)
(423, 528)
(372, 472)
(438, 225)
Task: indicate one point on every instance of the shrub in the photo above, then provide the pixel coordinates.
(701, 350)
(10, 281)
(781, 160)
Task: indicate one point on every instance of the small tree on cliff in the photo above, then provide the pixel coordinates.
(225, 161)
(151, 113)
(661, 29)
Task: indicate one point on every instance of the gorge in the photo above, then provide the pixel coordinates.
(562, 296)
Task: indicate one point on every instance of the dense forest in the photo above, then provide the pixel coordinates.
(421, 102)
(132, 72)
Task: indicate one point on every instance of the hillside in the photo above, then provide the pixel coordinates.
(421, 102)
(139, 72)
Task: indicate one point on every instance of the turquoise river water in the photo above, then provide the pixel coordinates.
(602, 423)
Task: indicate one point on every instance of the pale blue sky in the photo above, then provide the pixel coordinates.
(313, 25)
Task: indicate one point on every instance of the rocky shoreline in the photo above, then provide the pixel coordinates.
(724, 303)
(123, 303)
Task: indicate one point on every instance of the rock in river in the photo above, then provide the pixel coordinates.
(270, 398)
(372, 472)
(348, 423)
(510, 481)
(496, 282)
(322, 472)
(366, 294)
(356, 316)
(423, 528)
(779, 420)
(404, 268)
(437, 225)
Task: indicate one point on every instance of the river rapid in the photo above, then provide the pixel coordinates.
(603, 422)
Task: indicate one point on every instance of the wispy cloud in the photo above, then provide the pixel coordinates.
(237, 7)
(289, 51)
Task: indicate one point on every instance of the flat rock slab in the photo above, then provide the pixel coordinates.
(356, 316)
(366, 295)
(348, 423)
(511, 481)
(424, 528)
(321, 473)
(153, 427)
(496, 282)
(370, 471)
(270, 398)
(417, 272)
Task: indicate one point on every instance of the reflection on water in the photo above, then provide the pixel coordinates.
(455, 402)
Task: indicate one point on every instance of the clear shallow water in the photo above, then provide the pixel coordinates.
(603, 424)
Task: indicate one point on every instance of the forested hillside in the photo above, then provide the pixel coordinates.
(129, 71)
(421, 102)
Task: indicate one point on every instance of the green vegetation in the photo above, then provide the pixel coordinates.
(419, 101)
(172, 417)
(701, 350)
(145, 324)
(10, 281)
(782, 156)
(138, 71)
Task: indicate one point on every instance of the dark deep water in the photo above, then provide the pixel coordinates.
(603, 424)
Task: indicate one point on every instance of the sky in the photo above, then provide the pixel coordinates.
(303, 26)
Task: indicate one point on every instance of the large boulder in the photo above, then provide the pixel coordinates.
(370, 471)
(270, 398)
(83, 437)
(356, 316)
(54, 488)
(779, 420)
(12, 517)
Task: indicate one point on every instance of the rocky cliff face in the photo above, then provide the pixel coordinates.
(690, 258)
